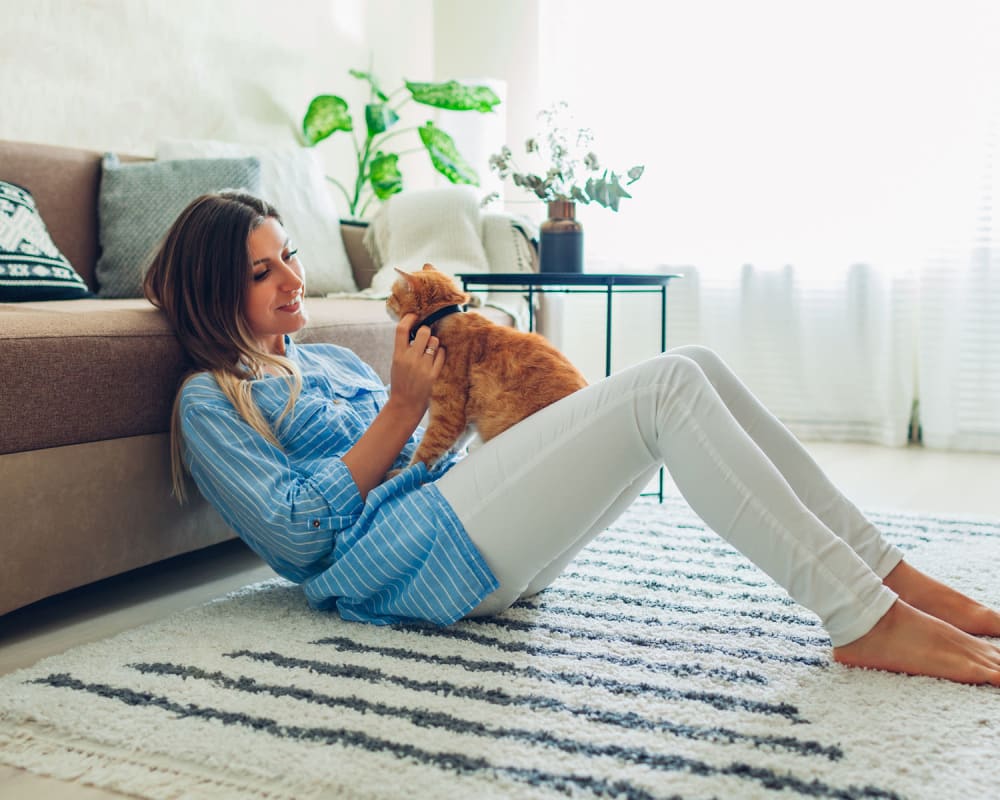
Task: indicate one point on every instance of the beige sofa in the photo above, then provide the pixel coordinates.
(86, 388)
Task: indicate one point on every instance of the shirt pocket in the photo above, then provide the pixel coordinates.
(302, 431)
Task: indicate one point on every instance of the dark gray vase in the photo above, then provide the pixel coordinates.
(561, 246)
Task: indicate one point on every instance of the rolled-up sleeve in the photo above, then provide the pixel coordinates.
(287, 517)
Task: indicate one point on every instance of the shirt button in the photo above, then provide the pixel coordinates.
(315, 523)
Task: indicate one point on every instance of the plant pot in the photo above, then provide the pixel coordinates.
(561, 245)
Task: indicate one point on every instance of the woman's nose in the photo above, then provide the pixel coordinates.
(292, 278)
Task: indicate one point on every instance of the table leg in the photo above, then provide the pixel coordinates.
(663, 319)
(607, 334)
(663, 349)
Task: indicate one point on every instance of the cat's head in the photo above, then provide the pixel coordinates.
(423, 292)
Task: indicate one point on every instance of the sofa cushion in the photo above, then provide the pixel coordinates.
(31, 266)
(292, 180)
(138, 203)
(87, 370)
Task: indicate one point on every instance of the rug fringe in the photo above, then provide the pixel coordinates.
(91, 764)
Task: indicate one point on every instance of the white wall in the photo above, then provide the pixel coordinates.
(119, 75)
(479, 39)
(122, 74)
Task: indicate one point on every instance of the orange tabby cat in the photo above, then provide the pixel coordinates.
(493, 376)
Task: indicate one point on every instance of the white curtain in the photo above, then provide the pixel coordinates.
(820, 172)
(959, 355)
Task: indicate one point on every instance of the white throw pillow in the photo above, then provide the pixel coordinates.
(442, 227)
(292, 180)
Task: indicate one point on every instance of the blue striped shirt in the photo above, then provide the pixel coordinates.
(401, 554)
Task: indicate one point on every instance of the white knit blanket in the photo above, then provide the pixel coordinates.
(446, 228)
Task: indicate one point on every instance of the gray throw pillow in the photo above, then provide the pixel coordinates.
(138, 203)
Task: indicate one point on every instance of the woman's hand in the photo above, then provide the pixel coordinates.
(415, 367)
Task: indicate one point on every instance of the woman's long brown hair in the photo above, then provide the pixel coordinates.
(199, 277)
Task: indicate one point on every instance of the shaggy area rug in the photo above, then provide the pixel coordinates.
(661, 665)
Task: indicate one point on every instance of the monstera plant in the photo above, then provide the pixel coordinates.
(378, 174)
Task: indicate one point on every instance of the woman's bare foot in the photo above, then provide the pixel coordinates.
(932, 597)
(909, 641)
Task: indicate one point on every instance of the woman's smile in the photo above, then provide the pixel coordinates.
(274, 306)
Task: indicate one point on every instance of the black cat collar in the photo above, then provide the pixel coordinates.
(441, 313)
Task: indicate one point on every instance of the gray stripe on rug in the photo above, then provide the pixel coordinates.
(679, 608)
(642, 641)
(558, 611)
(677, 670)
(501, 697)
(426, 718)
(461, 763)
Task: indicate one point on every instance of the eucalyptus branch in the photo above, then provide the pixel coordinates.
(572, 171)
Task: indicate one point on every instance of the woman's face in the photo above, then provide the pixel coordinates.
(274, 304)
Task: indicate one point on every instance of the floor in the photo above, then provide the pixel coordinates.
(911, 479)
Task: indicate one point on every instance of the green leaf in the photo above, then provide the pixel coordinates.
(445, 157)
(617, 191)
(454, 96)
(367, 76)
(613, 197)
(379, 118)
(326, 114)
(618, 188)
(607, 193)
(597, 191)
(384, 174)
(635, 173)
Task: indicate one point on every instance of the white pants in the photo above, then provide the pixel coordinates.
(534, 496)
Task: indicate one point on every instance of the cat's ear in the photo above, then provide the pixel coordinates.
(407, 276)
(430, 267)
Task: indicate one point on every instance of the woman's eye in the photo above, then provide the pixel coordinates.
(291, 255)
(259, 276)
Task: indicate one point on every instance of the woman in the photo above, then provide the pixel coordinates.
(291, 444)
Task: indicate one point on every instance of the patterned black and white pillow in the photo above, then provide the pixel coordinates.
(31, 266)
